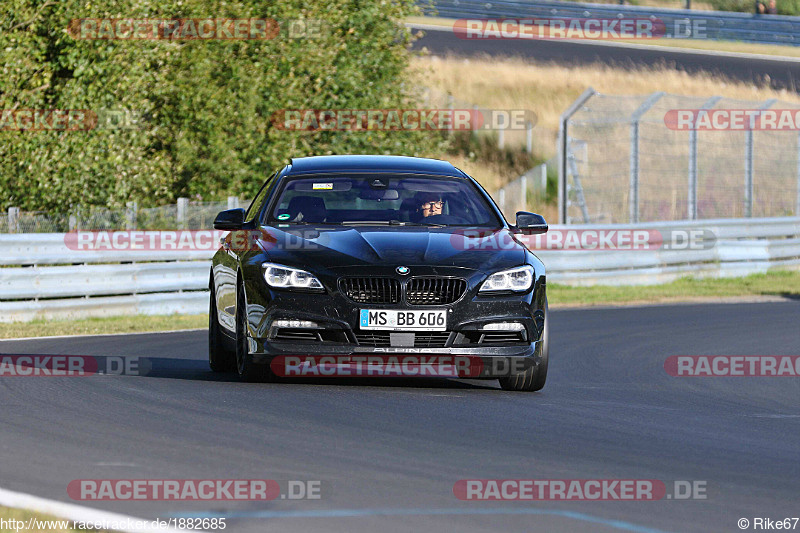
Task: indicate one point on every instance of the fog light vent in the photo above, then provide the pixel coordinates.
(503, 326)
(298, 324)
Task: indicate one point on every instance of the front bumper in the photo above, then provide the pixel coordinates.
(476, 362)
(338, 316)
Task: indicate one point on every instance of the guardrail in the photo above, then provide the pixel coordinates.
(51, 249)
(741, 247)
(679, 23)
(42, 286)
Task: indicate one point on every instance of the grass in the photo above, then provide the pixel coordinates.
(7, 513)
(490, 175)
(779, 283)
(697, 44)
(93, 326)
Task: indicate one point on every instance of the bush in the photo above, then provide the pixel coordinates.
(747, 6)
(206, 105)
(785, 7)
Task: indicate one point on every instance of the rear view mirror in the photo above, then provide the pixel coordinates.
(379, 194)
(530, 223)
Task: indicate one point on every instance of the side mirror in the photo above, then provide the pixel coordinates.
(230, 220)
(530, 223)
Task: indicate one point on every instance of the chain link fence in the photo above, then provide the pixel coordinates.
(526, 193)
(183, 215)
(624, 159)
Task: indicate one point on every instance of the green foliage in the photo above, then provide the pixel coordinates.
(551, 196)
(785, 7)
(733, 5)
(788, 7)
(206, 104)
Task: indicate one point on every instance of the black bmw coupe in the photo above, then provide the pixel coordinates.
(355, 262)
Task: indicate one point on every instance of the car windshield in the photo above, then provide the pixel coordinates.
(382, 199)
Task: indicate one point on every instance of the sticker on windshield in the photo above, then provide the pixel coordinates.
(284, 216)
(322, 186)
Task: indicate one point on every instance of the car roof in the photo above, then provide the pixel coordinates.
(374, 163)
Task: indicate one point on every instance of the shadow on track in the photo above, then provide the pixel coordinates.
(197, 370)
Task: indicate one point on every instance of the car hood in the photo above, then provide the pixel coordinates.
(473, 248)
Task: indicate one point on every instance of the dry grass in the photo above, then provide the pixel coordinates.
(549, 89)
(490, 176)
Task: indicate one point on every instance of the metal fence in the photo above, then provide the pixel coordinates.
(620, 162)
(185, 214)
(528, 190)
(678, 23)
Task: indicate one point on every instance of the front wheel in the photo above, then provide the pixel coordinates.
(534, 378)
(220, 359)
(246, 368)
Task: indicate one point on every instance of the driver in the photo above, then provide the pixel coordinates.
(430, 204)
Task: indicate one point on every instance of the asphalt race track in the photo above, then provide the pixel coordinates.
(783, 72)
(389, 452)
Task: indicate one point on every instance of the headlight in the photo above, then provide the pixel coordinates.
(283, 277)
(517, 279)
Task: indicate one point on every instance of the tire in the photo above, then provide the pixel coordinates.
(220, 359)
(534, 378)
(248, 371)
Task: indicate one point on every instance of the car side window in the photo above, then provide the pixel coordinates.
(258, 201)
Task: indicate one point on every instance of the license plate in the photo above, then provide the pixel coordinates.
(395, 320)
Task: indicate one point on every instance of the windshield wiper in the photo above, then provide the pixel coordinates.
(372, 223)
(302, 223)
(430, 224)
(386, 223)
